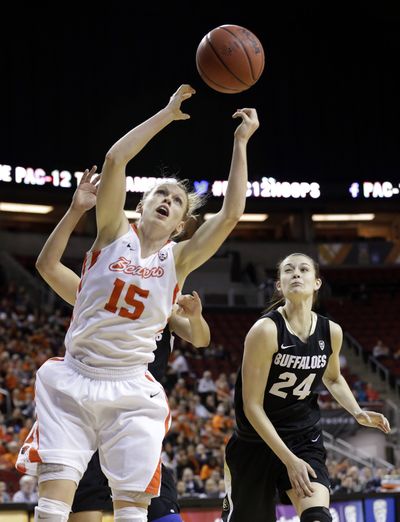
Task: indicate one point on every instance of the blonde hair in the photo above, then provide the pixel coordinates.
(194, 200)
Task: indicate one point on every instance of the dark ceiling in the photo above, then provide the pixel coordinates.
(328, 101)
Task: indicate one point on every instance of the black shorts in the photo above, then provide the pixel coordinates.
(258, 478)
(94, 494)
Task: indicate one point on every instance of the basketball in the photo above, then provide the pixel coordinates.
(230, 59)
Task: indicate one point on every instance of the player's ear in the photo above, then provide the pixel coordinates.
(318, 283)
(180, 227)
(139, 207)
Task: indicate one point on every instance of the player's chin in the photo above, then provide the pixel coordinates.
(296, 290)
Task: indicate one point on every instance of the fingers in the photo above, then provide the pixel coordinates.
(179, 310)
(96, 180)
(300, 479)
(377, 420)
(298, 489)
(183, 93)
(186, 90)
(196, 295)
(185, 299)
(384, 424)
(311, 471)
(308, 489)
(87, 175)
(238, 114)
(245, 113)
(84, 176)
(92, 172)
(303, 488)
(305, 485)
(190, 305)
(367, 417)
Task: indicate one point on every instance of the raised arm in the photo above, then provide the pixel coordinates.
(210, 235)
(60, 278)
(340, 390)
(110, 216)
(188, 322)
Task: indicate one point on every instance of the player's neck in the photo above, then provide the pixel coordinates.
(150, 243)
(299, 320)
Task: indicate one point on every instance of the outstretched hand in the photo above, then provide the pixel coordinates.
(184, 92)
(248, 125)
(85, 195)
(372, 419)
(189, 305)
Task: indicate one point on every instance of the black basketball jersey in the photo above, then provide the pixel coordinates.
(290, 399)
(165, 342)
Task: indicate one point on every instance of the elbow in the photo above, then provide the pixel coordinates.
(328, 383)
(249, 412)
(45, 267)
(249, 415)
(232, 210)
(234, 219)
(231, 218)
(40, 266)
(114, 159)
(111, 159)
(202, 343)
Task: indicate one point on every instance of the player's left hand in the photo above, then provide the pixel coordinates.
(372, 419)
(248, 125)
(189, 305)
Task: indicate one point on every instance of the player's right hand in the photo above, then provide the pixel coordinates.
(184, 92)
(85, 195)
(299, 473)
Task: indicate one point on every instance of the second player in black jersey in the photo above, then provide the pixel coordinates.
(278, 444)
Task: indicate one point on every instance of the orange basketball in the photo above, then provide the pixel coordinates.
(230, 59)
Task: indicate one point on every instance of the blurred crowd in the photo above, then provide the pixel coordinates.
(201, 406)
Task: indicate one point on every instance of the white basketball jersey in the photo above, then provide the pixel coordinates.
(123, 301)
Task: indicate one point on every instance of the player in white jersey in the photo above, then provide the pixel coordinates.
(93, 494)
(101, 396)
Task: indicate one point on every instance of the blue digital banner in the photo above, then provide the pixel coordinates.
(347, 511)
(380, 509)
(341, 512)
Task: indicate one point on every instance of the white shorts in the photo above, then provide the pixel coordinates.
(80, 409)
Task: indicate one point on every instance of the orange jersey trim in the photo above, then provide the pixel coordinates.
(155, 482)
(176, 290)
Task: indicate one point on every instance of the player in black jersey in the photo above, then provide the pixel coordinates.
(93, 495)
(277, 445)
